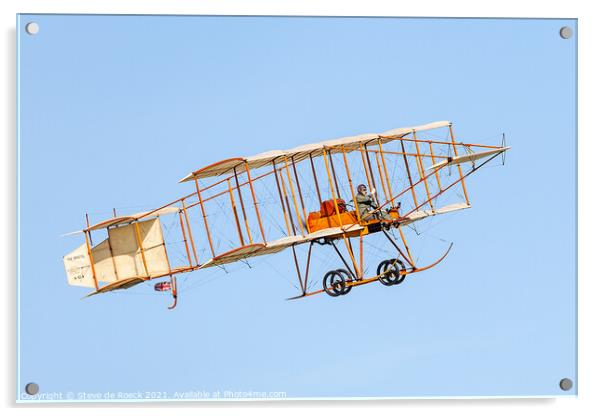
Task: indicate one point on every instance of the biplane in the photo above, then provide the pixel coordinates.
(335, 194)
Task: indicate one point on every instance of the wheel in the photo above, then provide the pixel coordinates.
(391, 272)
(334, 283)
(348, 278)
(387, 272)
(327, 284)
(338, 283)
(383, 279)
(400, 267)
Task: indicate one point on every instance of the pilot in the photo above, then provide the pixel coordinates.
(367, 206)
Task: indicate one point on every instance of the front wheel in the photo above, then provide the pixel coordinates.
(391, 272)
(401, 268)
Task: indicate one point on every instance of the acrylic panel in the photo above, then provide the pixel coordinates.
(242, 208)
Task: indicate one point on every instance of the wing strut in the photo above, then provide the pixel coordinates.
(303, 282)
(343, 259)
(398, 249)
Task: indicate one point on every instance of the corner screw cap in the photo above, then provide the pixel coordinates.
(566, 32)
(32, 389)
(566, 384)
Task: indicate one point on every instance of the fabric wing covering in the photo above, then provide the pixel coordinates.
(119, 257)
(127, 255)
(130, 218)
(302, 152)
(271, 247)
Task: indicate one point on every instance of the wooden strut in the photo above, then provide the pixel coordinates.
(311, 244)
(405, 159)
(242, 207)
(421, 170)
(288, 228)
(198, 191)
(451, 133)
(343, 259)
(112, 257)
(88, 227)
(336, 208)
(86, 233)
(371, 173)
(399, 229)
(392, 152)
(255, 203)
(357, 211)
(242, 241)
(382, 179)
(300, 193)
(334, 175)
(196, 259)
(398, 249)
(433, 161)
(108, 243)
(139, 239)
(165, 250)
(290, 183)
(288, 206)
(313, 170)
(297, 268)
(405, 139)
(185, 239)
(361, 257)
(363, 153)
(439, 142)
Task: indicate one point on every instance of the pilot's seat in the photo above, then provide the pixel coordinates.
(327, 216)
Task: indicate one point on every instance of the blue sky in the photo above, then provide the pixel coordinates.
(115, 110)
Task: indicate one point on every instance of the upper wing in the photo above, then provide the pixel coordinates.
(303, 152)
(127, 219)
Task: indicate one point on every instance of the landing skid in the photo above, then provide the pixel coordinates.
(389, 276)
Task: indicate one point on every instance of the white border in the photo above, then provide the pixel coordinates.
(590, 346)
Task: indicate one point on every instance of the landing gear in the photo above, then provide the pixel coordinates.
(334, 282)
(391, 272)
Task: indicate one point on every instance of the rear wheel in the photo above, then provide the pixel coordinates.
(334, 283)
(348, 278)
